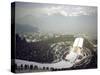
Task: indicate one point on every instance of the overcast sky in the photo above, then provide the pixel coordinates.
(57, 18)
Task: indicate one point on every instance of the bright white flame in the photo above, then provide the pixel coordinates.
(78, 42)
(75, 51)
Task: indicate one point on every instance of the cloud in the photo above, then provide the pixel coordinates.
(69, 10)
(51, 9)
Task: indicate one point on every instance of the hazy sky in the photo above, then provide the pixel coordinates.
(57, 18)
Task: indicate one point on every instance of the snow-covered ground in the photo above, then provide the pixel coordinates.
(60, 64)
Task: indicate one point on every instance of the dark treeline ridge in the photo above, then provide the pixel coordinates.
(33, 51)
